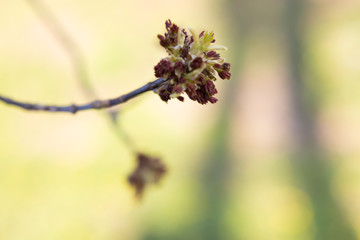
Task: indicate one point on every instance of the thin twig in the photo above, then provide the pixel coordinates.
(79, 65)
(97, 104)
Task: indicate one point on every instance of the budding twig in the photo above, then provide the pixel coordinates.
(97, 104)
(77, 59)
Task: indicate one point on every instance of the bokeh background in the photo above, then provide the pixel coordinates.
(277, 158)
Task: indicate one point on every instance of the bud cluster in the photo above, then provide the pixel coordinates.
(191, 66)
(149, 170)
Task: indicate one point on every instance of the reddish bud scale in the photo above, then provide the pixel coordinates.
(162, 68)
(226, 66)
(177, 89)
(213, 99)
(210, 87)
(180, 98)
(184, 52)
(165, 93)
(201, 79)
(224, 74)
(168, 24)
(180, 66)
(196, 63)
(213, 54)
(217, 66)
(191, 40)
(174, 28)
(163, 41)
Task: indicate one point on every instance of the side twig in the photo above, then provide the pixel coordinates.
(77, 59)
(97, 104)
(70, 46)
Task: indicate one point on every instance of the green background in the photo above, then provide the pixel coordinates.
(277, 158)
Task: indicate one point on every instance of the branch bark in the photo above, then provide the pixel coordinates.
(96, 104)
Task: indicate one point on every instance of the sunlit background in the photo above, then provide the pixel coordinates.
(277, 158)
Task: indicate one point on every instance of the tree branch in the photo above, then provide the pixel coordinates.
(97, 104)
(77, 59)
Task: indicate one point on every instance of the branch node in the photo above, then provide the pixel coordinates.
(100, 104)
(74, 109)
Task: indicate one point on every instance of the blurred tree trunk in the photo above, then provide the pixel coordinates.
(215, 172)
(245, 19)
(310, 163)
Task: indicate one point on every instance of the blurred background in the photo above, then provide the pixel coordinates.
(277, 158)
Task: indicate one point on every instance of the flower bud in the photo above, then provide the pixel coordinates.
(191, 65)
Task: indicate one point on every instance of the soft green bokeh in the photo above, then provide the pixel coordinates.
(231, 174)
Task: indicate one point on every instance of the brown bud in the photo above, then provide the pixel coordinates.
(178, 89)
(226, 66)
(149, 170)
(224, 74)
(213, 54)
(196, 63)
(180, 98)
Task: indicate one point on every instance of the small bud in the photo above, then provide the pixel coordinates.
(217, 66)
(168, 24)
(162, 68)
(149, 170)
(180, 66)
(180, 98)
(191, 40)
(210, 87)
(226, 66)
(224, 74)
(178, 89)
(213, 100)
(163, 41)
(196, 63)
(213, 54)
(164, 94)
(184, 52)
(174, 28)
(202, 79)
